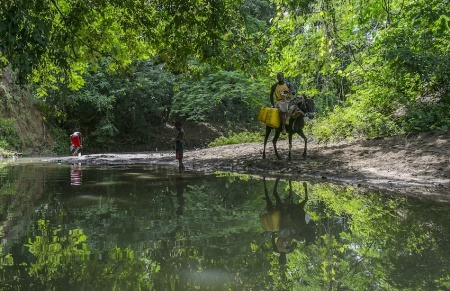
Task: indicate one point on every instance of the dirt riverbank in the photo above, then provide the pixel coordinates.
(416, 165)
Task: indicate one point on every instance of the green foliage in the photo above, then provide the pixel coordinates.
(236, 138)
(228, 97)
(349, 123)
(9, 135)
(59, 255)
(105, 132)
(61, 145)
(368, 61)
(244, 45)
(6, 97)
(424, 117)
(116, 107)
(363, 62)
(57, 41)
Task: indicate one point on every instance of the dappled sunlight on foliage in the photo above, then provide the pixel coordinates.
(237, 138)
(365, 62)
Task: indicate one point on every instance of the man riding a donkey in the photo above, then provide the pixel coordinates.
(280, 94)
(293, 111)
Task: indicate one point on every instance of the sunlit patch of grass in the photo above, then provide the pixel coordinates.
(237, 138)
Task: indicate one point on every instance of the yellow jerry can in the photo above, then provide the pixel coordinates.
(270, 221)
(262, 114)
(269, 116)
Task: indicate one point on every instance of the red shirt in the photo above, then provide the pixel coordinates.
(75, 138)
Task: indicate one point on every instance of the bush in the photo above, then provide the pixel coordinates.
(9, 134)
(237, 138)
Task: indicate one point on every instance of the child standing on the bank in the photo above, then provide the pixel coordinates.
(179, 145)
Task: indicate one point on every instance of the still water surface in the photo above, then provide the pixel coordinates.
(79, 227)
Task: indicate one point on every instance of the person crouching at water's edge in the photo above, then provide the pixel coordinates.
(76, 141)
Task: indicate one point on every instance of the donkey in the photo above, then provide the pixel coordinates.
(287, 221)
(296, 125)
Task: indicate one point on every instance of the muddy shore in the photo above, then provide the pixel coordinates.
(411, 165)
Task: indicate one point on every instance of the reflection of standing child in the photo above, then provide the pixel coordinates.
(179, 145)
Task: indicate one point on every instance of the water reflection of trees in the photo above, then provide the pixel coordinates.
(184, 234)
(20, 189)
(369, 241)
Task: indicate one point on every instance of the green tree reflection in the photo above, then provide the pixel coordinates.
(368, 242)
(154, 232)
(65, 261)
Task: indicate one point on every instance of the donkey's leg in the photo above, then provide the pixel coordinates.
(302, 134)
(290, 197)
(274, 142)
(269, 203)
(275, 193)
(266, 137)
(290, 143)
(306, 190)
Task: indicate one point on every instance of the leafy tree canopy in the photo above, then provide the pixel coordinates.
(57, 40)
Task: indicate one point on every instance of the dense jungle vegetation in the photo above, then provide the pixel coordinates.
(114, 69)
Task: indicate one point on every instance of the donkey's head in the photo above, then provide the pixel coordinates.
(305, 104)
(310, 107)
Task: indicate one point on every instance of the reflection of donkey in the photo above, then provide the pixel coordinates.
(295, 125)
(287, 221)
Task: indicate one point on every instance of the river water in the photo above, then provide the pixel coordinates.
(147, 227)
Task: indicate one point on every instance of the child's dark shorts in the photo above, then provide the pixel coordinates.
(179, 150)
